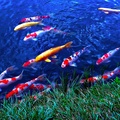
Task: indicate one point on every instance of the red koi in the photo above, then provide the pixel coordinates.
(22, 87)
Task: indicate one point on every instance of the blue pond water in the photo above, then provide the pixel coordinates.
(79, 17)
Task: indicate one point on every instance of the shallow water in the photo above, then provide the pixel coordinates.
(81, 18)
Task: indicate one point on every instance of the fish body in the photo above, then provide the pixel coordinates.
(34, 35)
(109, 10)
(38, 87)
(103, 77)
(8, 81)
(91, 79)
(25, 25)
(43, 87)
(22, 87)
(50, 52)
(110, 74)
(34, 18)
(106, 56)
(70, 61)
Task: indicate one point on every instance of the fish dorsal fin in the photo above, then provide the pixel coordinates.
(35, 39)
(106, 12)
(73, 64)
(47, 60)
(107, 61)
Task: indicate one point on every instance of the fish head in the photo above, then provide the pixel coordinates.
(23, 20)
(65, 63)
(11, 93)
(30, 36)
(28, 63)
(99, 61)
(39, 58)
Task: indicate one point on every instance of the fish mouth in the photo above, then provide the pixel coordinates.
(24, 65)
(63, 66)
(24, 39)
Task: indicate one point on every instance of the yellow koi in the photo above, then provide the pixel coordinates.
(26, 24)
(50, 52)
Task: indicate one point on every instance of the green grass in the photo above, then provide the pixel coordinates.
(98, 102)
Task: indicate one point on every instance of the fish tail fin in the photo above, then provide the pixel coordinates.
(21, 75)
(40, 23)
(51, 15)
(11, 68)
(117, 70)
(67, 45)
(41, 77)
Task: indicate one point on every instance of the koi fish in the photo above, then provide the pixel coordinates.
(8, 81)
(91, 79)
(111, 74)
(103, 77)
(107, 56)
(47, 90)
(34, 35)
(70, 61)
(29, 63)
(43, 87)
(35, 18)
(23, 86)
(109, 10)
(27, 24)
(50, 52)
(6, 71)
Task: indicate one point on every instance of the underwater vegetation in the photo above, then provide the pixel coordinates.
(73, 103)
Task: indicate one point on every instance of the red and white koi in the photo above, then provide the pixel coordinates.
(43, 87)
(8, 81)
(111, 74)
(106, 56)
(109, 10)
(103, 77)
(23, 86)
(29, 63)
(34, 18)
(70, 61)
(6, 71)
(91, 79)
(34, 35)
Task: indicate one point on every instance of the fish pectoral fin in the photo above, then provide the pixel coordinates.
(0, 89)
(107, 61)
(47, 60)
(35, 39)
(18, 95)
(34, 68)
(106, 12)
(73, 64)
(54, 56)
